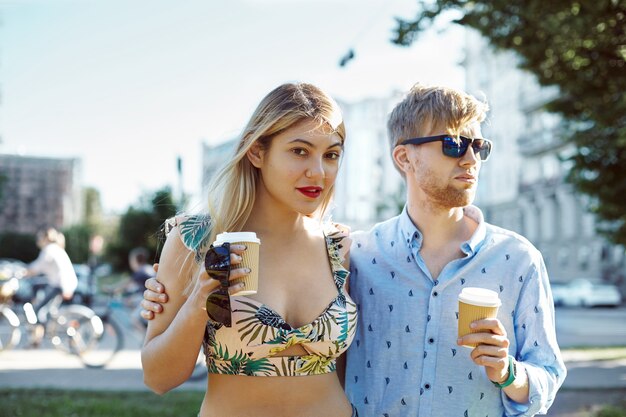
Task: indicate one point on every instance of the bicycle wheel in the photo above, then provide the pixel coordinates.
(74, 328)
(10, 333)
(103, 348)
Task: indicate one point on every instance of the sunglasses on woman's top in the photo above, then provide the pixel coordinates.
(217, 265)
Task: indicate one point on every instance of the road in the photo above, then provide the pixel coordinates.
(590, 384)
(591, 327)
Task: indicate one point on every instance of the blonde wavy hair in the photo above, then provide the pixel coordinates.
(426, 108)
(232, 191)
(50, 235)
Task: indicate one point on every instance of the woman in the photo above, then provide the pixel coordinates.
(278, 355)
(53, 263)
(61, 281)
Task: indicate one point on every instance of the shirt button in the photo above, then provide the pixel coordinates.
(427, 386)
(435, 294)
(431, 340)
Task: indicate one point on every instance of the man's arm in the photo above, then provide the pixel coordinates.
(155, 295)
(540, 369)
(535, 334)
(153, 298)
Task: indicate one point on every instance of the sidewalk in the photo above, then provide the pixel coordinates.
(587, 369)
(48, 368)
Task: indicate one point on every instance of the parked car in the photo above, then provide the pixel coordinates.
(584, 293)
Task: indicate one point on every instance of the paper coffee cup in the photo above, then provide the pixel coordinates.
(250, 258)
(476, 304)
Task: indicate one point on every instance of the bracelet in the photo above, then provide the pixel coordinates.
(512, 374)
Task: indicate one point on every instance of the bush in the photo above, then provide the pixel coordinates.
(611, 411)
(19, 246)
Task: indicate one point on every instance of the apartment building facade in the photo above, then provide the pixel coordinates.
(38, 192)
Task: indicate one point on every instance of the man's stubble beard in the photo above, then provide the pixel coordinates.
(446, 195)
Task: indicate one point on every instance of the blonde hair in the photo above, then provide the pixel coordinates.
(231, 193)
(426, 108)
(51, 235)
(233, 189)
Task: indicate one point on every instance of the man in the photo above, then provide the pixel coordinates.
(407, 272)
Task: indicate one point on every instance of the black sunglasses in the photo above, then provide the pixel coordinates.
(456, 147)
(217, 265)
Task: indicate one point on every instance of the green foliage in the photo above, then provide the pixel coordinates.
(3, 180)
(140, 226)
(579, 47)
(64, 403)
(77, 242)
(93, 208)
(611, 411)
(18, 246)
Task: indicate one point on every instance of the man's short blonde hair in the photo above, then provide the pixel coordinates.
(428, 108)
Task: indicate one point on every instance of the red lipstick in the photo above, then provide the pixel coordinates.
(311, 192)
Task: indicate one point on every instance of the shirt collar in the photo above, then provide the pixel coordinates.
(413, 238)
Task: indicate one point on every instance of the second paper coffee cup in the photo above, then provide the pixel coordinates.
(476, 304)
(250, 258)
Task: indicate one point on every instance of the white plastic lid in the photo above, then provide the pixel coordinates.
(231, 237)
(480, 297)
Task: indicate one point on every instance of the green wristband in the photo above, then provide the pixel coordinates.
(512, 374)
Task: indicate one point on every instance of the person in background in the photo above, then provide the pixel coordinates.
(277, 352)
(140, 269)
(132, 289)
(55, 265)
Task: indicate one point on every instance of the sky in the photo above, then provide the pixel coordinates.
(128, 86)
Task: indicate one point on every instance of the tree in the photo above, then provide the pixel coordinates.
(93, 208)
(3, 180)
(579, 47)
(77, 242)
(141, 226)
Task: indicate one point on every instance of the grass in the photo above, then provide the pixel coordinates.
(76, 403)
(594, 353)
(612, 411)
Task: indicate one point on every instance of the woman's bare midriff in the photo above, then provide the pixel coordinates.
(272, 396)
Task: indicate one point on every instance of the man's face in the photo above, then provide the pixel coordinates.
(442, 180)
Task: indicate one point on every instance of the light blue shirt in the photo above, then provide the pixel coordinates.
(405, 361)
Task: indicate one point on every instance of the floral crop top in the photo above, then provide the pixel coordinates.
(258, 333)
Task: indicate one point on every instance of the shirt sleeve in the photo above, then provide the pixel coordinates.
(537, 349)
(69, 280)
(38, 266)
(194, 230)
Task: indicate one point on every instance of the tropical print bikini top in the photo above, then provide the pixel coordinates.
(259, 333)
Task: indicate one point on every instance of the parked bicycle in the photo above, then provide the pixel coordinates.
(10, 333)
(73, 328)
(130, 301)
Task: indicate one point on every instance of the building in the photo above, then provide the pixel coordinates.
(369, 188)
(213, 157)
(38, 192)
(523, 185)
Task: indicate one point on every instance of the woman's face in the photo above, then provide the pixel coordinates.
(300, 166)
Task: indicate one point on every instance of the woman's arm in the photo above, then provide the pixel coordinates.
(174, 337)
